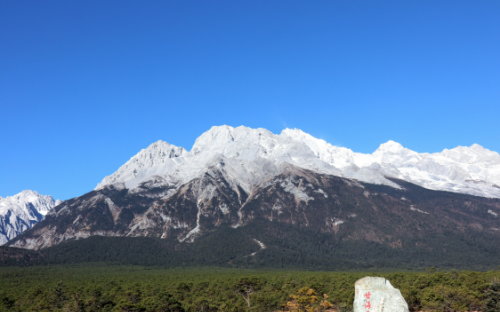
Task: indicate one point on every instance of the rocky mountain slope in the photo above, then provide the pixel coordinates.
(21, 211)
(290, 187)
(303, 220)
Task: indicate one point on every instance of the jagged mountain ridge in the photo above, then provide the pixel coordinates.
(235, 176)
(257, 154)
(21, 211)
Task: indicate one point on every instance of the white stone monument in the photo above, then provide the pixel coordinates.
(376, 294)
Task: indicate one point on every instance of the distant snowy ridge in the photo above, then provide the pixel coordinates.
(252, 156)
(21, 211)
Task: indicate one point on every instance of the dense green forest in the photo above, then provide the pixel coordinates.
(103, 287)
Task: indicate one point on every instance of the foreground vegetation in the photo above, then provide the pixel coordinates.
(132, 288)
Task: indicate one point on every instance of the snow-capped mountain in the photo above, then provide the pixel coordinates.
(237, 176)
(21, 211)
(252, 156)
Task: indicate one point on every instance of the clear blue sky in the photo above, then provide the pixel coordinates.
(84, 85)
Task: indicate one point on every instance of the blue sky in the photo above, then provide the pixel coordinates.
(84, 85)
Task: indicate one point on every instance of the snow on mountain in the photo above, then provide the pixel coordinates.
(159, 158)
(252, 156)
(21, 211)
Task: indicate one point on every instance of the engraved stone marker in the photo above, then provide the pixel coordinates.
(376, 294)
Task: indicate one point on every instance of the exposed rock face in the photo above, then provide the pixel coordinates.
(376, 294)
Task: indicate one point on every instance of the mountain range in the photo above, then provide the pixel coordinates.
(21, 211)
(470, 170)
(250, 197)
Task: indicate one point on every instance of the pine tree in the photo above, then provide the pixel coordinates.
(492, 296)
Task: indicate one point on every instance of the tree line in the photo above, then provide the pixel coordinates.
(102, 287)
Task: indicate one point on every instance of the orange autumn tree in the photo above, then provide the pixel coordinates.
(306, 300)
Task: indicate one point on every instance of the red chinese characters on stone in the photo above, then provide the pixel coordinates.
(367, 304)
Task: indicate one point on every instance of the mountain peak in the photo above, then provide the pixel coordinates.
(28, 193)
(477, 147)
(292, 132)
(24, 195)
(216, 136)
(472, 155)
(390, 147)
(21, 211)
